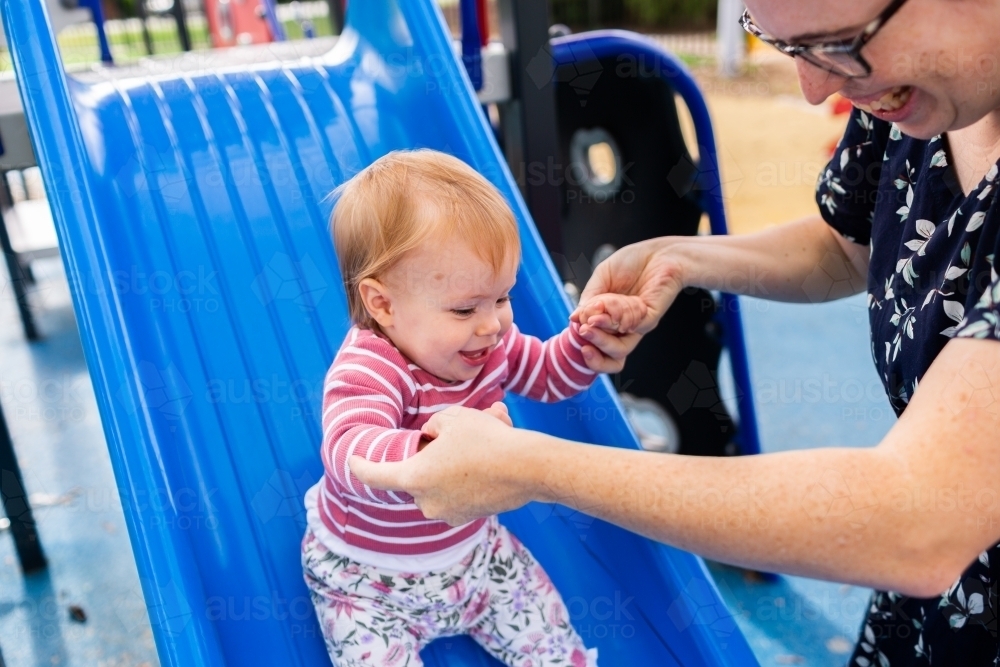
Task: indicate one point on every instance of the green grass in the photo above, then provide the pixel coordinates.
(128, 46)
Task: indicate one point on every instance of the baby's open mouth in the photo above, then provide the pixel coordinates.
(476, 356)
(891, 100)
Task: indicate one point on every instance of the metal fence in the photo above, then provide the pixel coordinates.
(133, 37)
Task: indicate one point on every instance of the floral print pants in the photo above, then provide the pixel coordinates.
(498, 594)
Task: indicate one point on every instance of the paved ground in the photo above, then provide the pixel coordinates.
(50, 408)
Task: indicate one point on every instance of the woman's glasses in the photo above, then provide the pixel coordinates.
(842, 57)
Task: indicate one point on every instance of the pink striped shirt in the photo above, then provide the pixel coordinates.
(374, 403)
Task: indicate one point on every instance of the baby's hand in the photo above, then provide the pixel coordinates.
(613, 313)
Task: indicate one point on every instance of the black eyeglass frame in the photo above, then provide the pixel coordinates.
(849, 47)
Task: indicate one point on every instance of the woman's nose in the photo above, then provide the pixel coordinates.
(817, 83)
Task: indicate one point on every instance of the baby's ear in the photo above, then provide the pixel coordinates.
(377, 301)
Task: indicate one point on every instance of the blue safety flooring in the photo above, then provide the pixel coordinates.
(813, 381)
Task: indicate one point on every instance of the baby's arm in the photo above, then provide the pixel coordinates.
(363, 403)
(549, 371)
(614, 313)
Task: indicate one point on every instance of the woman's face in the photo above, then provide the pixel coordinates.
(935, 63)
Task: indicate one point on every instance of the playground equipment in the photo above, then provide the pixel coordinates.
(192, 215)
(232, 22)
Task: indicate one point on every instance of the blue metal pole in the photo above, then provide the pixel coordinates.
(271, 13)
(472, 55)
(97, 12)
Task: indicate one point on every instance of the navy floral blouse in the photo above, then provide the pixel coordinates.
(932, 277)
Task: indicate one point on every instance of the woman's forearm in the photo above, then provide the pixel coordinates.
(813, 513)
(802, 261)
(908, 515)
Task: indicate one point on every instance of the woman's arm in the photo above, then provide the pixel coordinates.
(908, 515)
(803, 261)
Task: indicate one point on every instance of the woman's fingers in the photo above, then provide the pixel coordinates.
(499, 410)
(433, 426)
(384, 476)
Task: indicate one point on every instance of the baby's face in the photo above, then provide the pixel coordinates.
(449, 309)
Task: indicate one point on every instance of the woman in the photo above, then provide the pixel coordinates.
(908, 205)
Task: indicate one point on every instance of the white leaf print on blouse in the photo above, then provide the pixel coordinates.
(939, 159)
(903, 320)
(905, 180)
(904, 211)
(989, 325)
(976, 221)
(951, 220)
(925, 229)
(952, 273)
(967, 607)
(955, 312)
(864, 121)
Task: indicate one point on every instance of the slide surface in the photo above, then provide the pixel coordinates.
(191, 207)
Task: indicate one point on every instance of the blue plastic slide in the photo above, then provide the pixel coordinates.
(191, 208)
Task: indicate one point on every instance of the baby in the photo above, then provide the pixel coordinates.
(429, 251)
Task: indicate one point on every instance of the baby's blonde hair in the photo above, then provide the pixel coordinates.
(375, 219)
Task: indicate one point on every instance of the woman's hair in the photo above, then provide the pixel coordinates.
(377, 217)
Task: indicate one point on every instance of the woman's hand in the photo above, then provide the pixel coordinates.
(470, 469)
(498, 410)
(644, 270)
(624, 299)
